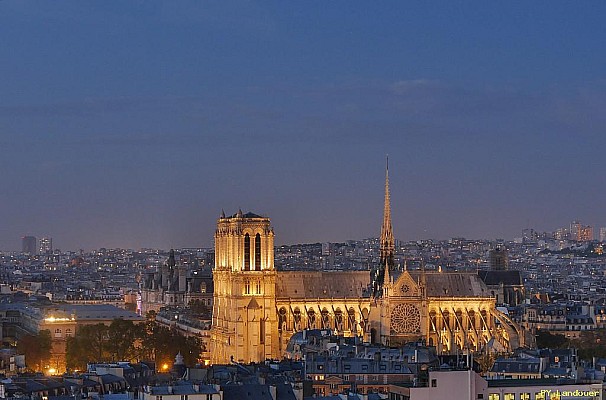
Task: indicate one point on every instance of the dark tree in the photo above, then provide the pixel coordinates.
(121, 340)
(36, 349)
(127, 341)
(91, 343)
(546, 340)
(590, 344)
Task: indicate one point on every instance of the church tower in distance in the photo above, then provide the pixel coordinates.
(244, 325)
(387, 243)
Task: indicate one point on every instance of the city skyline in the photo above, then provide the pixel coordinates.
(565, 233)
(132, 125)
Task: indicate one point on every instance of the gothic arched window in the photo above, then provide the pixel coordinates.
(282, 322)
(297, 318)
(472, 318)
(246, 252)
(351, 317)
(446, 320)
(338, 319)
(459, 319)
(325, 320)
(311, 319)
(257, 252)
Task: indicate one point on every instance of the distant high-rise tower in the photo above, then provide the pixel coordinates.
(387, 242)
(580, 232)
(575, 228)
(45, 246)
(586, 233)
(603, 234)
(28, 245)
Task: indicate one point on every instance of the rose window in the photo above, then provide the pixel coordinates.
(405, 318)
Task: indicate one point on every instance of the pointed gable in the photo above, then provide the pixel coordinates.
(405, 285)
(253, 305)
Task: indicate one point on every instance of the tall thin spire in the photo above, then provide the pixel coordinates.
(387, 242)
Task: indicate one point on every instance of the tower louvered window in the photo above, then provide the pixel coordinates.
(257, 252)
(246, 252)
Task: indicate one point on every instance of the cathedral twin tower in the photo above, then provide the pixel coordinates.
(244, 325)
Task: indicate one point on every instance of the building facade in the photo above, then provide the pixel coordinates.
(244, 320)
(256, 309)
(174, 285)
(63, 321)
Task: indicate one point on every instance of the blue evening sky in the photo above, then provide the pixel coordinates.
(133, 123)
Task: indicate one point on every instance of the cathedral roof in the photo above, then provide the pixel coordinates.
(322, 284)
(247, 215)
(497, 277)
(452, 284)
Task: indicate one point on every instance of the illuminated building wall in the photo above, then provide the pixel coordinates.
(257, 309)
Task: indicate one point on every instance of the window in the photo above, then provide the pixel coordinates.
(311, 319)
(524, 396)
(247, 252)
(257, 252)
(494, 396)
(247, 287)
(509, 396)
(68, 332)
(434, 383)
(282, 319)
(539, 396)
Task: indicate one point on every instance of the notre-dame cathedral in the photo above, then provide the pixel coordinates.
(256, 309)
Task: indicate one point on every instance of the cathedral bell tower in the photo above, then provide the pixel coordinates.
(244, 326)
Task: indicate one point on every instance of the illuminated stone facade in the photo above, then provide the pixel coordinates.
(245, 323)
(452, 311)
(257, 309)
